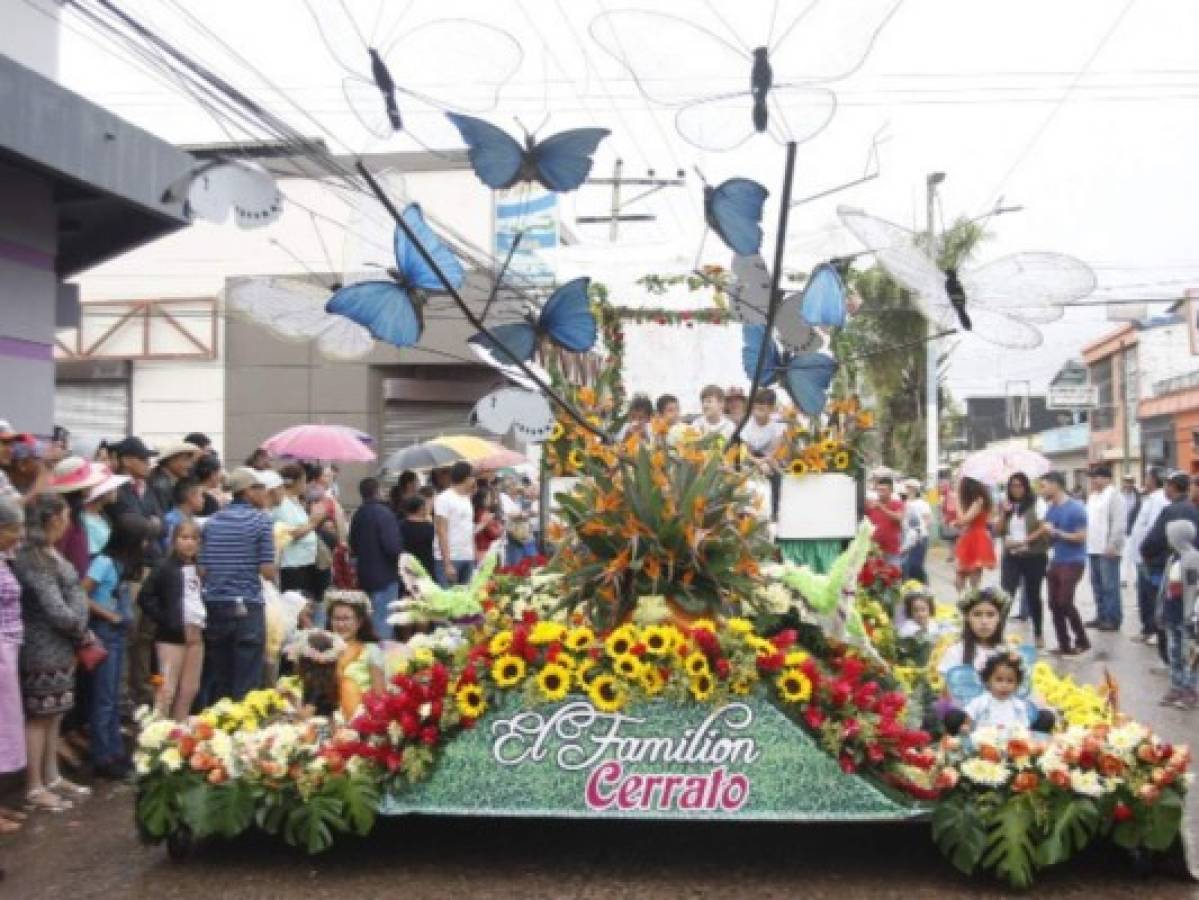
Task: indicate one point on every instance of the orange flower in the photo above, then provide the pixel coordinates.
(701, 506)
(657, 459)
(593, 526)
(866, 419)
(746, 565)
(631, 528)
(608, 502)
(687, 577)
(587, 396)
(746, 527)
(1025, 782)
(659, 426)
(619, 563)
(652, 568)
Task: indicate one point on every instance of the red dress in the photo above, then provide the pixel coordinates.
(975, 548)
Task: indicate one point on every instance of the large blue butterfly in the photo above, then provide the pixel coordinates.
(566, 319)
(733, 210)
(823, 301)
(388, 309)
(559, 163)
(806, 376)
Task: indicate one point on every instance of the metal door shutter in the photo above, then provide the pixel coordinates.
(93, 409)
(407, 422)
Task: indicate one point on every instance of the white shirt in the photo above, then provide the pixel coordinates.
(1151, 507)
(723, 427)
(459, 515)
(193, 598)
(1100, 534)
(762, 440)
(917, 517)
(509, 507)
(986, 710)
(954, 656)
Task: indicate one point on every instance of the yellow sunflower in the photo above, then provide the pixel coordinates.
(554, 681)
(547, 633)
(576, 458)
(704, 625)
(557, 431)
(796, 658)
(607, 694)
(470, 701)
(657, 640)
(508, 670)
(566, 661)
(841, 461)
(628, 666)
(621, 641)
(579, 638)
(741, 685)
(583, 671)
(738, 625)
(702, 686)
(652, 681)
(696, 664)
(500, 643)
(794, 686)
(798, 467)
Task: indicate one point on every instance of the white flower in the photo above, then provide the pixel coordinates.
(1086, 783)
(650, 610)
(988, 736)
(141, 763)
(153, 735)
(776, 598)
(172, 759)
(1111, 785)
(425, 710)
(1126, 738)
(988, 774)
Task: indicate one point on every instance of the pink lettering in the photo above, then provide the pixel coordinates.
(673, 783)
(629, 795)
(652, 783)
(610, 773)
(735, 793)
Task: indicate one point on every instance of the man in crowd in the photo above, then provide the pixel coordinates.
(375, 545)
(1155, 548)
(1152, 505)
(174, 462)
(886, 515)
(667, 409)
(1106, 525)
(454, 522)
(238, 551)
(517, 529)
(201, 442)
(1065, 524)
(917, 526)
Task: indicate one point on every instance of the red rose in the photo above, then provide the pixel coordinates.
(529, 617)
(722, 667)
(1087, 759)
(772, 663)
(410, 724)
(1122, 812)
(875, 753)
(785, 639)
(429, 735)
(435, 711)
(841, 692)
(814, 716)
(848, 766)
(850, 729)
(1060, 778)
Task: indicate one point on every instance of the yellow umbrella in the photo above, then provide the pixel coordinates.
(479, 451)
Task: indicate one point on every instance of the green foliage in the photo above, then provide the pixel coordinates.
(360, 801)
(225, 809)
(158, 804)
(311, 825)
(1073, 822)
(960, 831)
(1011, 853)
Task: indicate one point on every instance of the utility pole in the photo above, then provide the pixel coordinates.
(932, 351)
(618, 205)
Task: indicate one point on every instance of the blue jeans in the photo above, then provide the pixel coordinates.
(380, 601)
(1105, 585)
(104, 718)
(913, 563)
(463, 568)
(1147, 587)
(1181, 676)
(234, 646)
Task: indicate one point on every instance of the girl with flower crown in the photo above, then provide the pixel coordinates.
(360, 668)
(315, 653)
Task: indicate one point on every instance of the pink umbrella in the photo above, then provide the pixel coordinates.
(996, 466)
(334, 443)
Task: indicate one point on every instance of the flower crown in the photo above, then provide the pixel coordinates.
(316, 645)
(914, 588)
(357, 599)
(991, 595)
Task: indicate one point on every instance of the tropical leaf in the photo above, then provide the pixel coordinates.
(158, 806)
(960, 832)
(311, 824)
(1011, 853)
(225, 809)
(1073, 823)
(360, 801)
(1163, 821)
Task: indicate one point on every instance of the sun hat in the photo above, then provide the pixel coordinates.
(107, 486)
(179, 448)
(75, 474)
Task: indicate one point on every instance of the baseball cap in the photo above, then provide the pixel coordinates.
(133, 446)
(242, 479)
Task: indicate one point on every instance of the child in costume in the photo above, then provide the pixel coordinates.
(999, 706)
(315, 653)
(918, 610)
(361, 667)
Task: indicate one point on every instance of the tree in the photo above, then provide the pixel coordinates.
(884, 350)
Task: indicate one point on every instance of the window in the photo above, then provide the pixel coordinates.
(1104, 416)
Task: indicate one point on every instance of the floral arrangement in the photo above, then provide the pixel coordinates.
(257, 707)
(524, 568)
(570, 444)
(1080, 705)
(282, 776)
(835, 442)
(1016, 803)
(651, 521)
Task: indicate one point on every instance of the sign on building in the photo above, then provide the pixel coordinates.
(1071, 388)
(533, 214)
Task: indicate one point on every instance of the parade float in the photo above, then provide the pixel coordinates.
(663, 665)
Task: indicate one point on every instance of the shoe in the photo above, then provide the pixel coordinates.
(1171, 696)
(1094, 623)
(1107, 626)
(62, 787)
(1186, 700)
(45, 800)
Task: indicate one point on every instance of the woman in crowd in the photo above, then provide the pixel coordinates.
(975, 549)
(207, 471)
(297, 567)
(1024, 562)
(12, 739)
(72, 479)
(488, 526)
(334, 530)
(54, 608)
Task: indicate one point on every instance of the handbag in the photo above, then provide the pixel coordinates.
(90, 653)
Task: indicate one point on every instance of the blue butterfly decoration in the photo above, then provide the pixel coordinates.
(733, 209)
(805, 376)
(963, 683)
(560, 163)
(566, 319)
(823, 300)
(388, 309)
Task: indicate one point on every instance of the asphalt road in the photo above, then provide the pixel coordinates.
(93, 852)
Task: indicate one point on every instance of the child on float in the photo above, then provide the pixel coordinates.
(984, 613)
(314, 655)
(360, 667)
(919, 611)
(173, 599)
(763, 435)
(1000, 706)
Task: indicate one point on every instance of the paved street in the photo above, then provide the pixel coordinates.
(94, 853)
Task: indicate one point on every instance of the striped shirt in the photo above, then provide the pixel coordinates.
(237, 540)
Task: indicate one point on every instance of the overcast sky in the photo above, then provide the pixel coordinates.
(1081, 111)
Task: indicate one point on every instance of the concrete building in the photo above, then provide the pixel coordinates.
(79, 185)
